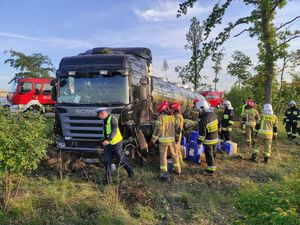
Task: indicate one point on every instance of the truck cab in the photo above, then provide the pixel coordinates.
(215, 98)
(32, 94)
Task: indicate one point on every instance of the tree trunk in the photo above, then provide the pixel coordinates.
(268, 55)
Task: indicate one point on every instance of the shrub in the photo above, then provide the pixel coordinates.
(23, 143)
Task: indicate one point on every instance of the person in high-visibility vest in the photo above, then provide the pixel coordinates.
(175, 110)
(266, 129)
(208, 134)
(291, 118)
(250, 117)
(164, 132)
(113, 145)
(226, 122)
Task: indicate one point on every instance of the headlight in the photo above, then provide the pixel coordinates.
(61, 144)
(15, 106)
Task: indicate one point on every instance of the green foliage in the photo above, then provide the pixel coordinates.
(217, 59)
(276, 203)
(23, 141)
(239, 67)
(35, 65)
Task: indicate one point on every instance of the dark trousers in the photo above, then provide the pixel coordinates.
(111, 151)
(210, 155)
(225, 136)
(291, 130)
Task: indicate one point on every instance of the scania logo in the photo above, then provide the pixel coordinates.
(85, 112)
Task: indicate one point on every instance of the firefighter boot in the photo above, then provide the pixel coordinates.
(253, 157)
(266, 159)
(164, 177)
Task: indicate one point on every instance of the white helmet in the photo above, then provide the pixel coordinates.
(227, 104)
(268, 109)
(202, 104)
(292, 103)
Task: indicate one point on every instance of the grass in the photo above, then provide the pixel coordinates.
(242, 192)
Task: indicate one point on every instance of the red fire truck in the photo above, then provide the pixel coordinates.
(215, 98)
(32, 94)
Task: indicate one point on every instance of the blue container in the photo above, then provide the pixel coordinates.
(183, 141)
(228, 147)
(198, 152)
(192, 150)
(170, 165)
(219, 146)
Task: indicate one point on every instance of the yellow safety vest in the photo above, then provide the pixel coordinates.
(118, 137)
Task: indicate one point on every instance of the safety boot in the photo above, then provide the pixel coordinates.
(164, 177)
(266, 159)
(253, 157)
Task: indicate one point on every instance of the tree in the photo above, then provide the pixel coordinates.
(261, 26)
(35, 65)
(191, 72)
(217, 59)
(23, 143)
(165, 69)
(239, 67)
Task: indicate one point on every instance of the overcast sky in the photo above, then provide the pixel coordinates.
(60, 28)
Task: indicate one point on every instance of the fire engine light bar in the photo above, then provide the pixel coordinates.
(72, 73)
(103, 72)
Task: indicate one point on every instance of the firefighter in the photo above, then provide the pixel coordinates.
(175, 110)
(226, 122)
(266, 131)
(291, 118)
(113, 145)
(164, 132)
(250, 117)
(208, 134)
(194, 113)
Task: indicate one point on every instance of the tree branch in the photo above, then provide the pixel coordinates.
(276, 4)
(288, 40)
(241, 32)
(297, 17)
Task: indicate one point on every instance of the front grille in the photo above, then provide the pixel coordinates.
(85, 125)
(86, 132)
(83, 118)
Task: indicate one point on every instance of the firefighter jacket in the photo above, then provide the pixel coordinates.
(292, 115)
(179, 125)
(194, 114)
(111, 130)
(164, 129)
(266, 126)
(208, 129)
(250, 116)
(227, 120)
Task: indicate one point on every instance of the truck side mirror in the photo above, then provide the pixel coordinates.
(54, 93)
(144, 81)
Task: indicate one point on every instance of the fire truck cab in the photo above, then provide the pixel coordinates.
(215, 98)
(32, 94)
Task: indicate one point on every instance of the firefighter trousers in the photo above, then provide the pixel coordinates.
(249, 135)
(225, 136)
(210, 155)
(164, 149)
(291, 130)
(179, 153)
(264, 146)
(111, 151)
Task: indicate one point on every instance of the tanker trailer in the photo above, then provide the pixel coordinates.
(119, 79)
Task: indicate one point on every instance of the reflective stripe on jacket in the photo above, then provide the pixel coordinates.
(250, 117)
(164, 129)
(208, 129)
(114, 136)
(267, 126)
(292, 115)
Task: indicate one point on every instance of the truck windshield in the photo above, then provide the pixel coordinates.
(94, 89)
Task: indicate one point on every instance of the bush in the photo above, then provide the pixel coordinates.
(277, 203)
(23, 143)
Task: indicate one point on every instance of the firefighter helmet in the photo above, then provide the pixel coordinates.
(202, 104)
(162, 106)
(268, 108)
(227, 104)
(250, 103)
(196, 101)
(175, 106)
(292, 103)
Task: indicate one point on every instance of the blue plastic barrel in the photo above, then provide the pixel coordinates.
(228, 147)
